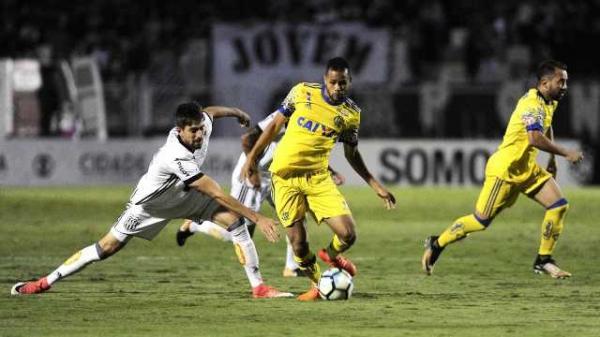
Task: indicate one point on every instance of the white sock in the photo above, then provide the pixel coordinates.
(212, 229)
(246, 252)
(75, 263)
(290, 263)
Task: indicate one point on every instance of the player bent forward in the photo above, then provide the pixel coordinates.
(252, 193)
(174, 187)
(512, 169)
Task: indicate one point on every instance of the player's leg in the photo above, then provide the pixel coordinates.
(107, 246)
(239, 190)
(550, 196)
(344, 230)
(327, 204)
(291, 268)
(246, 253)
(190, 227)
(291, 206)
(495, 195)
(304, 257)
(135, 221)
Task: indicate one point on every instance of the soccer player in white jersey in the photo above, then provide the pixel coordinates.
(174, 187)
(251, 193)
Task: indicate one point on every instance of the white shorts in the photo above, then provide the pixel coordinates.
(137, 221)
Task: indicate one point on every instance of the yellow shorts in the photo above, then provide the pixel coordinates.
(498, 194)
(316, 193)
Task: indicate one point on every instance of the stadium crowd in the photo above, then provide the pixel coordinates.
(128, 36)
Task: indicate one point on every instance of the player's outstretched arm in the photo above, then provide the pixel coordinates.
(539, 140)
(355, 160)
(208, 186)
(225, 111)
(265, 139)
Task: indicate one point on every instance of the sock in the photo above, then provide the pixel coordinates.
(290, 263)
(310, 266)
(247, 255)
(75, 263)
(461, 228)
(336, 247)
(552, 226)
(212, 229)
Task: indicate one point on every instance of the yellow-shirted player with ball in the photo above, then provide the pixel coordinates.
(512, 170)
(317, 116)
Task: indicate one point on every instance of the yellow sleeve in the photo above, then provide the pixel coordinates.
(288, 106)
(531, 116)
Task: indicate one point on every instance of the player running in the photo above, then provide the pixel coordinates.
(512, 169)
(317, 116)
(252, 193)
(175, 187)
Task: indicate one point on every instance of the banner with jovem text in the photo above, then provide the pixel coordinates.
(255, 65)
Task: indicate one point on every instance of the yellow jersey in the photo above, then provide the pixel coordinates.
(315, 124)
(515, 158)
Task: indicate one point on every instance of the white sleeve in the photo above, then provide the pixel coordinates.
(265, 122)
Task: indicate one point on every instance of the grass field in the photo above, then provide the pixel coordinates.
(483, 286)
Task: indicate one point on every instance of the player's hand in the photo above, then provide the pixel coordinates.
(248, 170)
(254, 180)
(389, 201)
(551, 167)
(243, 118)
(268, 227)
(574, 156)
(338, 179)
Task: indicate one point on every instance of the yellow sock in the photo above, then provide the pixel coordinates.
(461, 227)
(310, 266)
(336, 247)
(552, 227)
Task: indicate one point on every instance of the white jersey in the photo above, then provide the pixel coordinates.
(163, 189)
(248, 195)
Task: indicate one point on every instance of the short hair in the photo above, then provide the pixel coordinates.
(337, 64)
(548, 67)
(188, 114)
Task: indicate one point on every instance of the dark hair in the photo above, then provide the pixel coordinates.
(548, 67)
(188, 114)
(337, 64)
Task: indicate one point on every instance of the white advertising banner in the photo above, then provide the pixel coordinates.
(254, 66)
(441, 162)
(404, 163)
(39, 163)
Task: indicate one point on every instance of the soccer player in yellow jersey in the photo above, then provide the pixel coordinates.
(512, 169)
(317, 116)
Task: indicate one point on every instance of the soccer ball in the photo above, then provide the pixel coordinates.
(335, 284)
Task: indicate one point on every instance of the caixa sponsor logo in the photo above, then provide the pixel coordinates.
(121, 164)
(435, 166)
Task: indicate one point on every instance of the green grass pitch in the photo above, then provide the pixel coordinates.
(482, 286)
